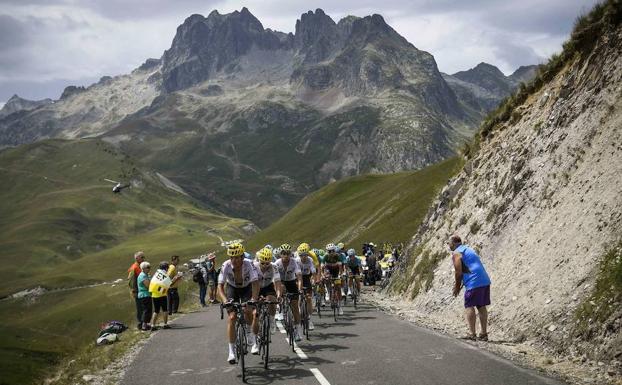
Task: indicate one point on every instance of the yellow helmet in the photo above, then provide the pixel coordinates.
(235, 249)
(265, 255)
(341, 246)
(286, 247)
(303, 248)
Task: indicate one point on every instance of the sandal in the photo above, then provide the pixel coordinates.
(483, 337)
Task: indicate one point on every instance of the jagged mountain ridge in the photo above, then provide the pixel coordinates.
(540, 201)
(339, 99)
(484, 86)
(15, 104)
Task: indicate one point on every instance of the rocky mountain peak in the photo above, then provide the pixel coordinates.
(16, 103)
(524, 73)
(204, 46)
(316, 36)
(488, 77)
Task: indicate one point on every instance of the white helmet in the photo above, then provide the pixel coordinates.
(331, 247)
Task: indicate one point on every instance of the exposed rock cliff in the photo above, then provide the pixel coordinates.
(541, 201)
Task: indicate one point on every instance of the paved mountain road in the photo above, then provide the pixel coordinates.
(366, 346)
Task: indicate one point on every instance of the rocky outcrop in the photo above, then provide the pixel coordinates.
(483, 87)
(540, 201)
(69, 91)
(204, 46)
(15, 104)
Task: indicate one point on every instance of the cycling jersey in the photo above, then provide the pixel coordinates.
(306, 268)
(249, 274)
(316, 260)
(332, 258)
(353, 263)
(266, 278)
(290, 272)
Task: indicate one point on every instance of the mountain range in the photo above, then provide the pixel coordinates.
(249, 120)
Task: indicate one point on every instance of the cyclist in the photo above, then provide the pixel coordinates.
(291, 279)
(269, 288)
(238, 282)
(309, 272)
(334, 266)
(353, 265)
(344, 258)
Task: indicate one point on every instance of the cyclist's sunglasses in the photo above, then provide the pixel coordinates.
(265, 263)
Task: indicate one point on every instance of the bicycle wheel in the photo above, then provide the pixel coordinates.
(334, 303)
(241, 348)
(266, 340)
(318, 305)
(304, 317)
(292, 327)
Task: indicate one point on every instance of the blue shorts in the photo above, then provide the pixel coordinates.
(478, 297)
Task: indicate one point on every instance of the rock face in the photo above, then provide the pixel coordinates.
(250, 120)
(483, 87)
(16, 104)
(205, 46)
(540, 200)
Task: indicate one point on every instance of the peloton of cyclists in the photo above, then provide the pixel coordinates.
(276, 271)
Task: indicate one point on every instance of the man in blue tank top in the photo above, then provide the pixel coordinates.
(470, 272)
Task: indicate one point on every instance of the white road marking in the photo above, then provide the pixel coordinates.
(319, 376)
(316, 372)
(280, 326)
(298, 351)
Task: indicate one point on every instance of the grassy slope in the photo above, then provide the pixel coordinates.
(379, 208)
(61, 226)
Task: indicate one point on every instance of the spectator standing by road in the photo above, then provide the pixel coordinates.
(142, 284)
(470, 273)
(200, 278)
(210, 277)
(132, 278)
(158, 288)
(173, 293)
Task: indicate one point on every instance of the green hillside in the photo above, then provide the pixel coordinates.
(61, 226)
(378, 208)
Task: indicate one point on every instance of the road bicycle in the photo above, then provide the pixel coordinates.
(335, 305)
(304, 314)
(318, 293)
(288, 319)
(241, 348)
(264, 337)
(354, 279)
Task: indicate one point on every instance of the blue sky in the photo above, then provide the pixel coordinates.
(47, 45)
